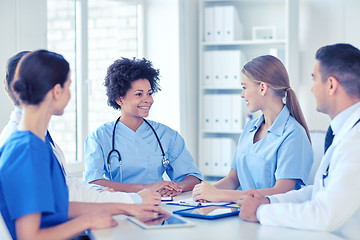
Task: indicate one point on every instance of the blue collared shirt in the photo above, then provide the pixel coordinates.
(284, 153)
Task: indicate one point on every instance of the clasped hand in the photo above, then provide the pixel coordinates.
(166, 188)
(205, 192)
(249, 203)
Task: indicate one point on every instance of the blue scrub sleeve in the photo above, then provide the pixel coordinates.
(26, 181)
(181, 162)
(295, 157)
(94, 160)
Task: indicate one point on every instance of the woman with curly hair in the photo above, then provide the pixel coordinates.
(132, 153)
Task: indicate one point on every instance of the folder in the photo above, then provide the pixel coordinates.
(206, 160)
(218, 23)
(233, 28)
(226, 102)
(208, 75)
(235, 65)
(224, 68)
(216, 111)
(216, 157)
(227, 149)
(208, 24)
(207, 122)
(237, 112)
(217, 68)
(223, 63)
(222, 23)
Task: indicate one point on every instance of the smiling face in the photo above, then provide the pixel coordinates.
(251, 93)
(137, 101)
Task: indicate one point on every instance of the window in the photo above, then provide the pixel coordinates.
(90, 35)
(62, 39)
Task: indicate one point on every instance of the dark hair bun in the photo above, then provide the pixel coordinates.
(37, 73)
(23, 89)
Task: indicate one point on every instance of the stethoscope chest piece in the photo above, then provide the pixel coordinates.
(165, 162)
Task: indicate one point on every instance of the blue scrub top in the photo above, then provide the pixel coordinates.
(284, 153)
(140, 153)
(31, 181)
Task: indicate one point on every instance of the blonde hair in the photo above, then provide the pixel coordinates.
(270, 70)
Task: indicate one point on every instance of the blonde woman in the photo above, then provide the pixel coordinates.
(274, 152)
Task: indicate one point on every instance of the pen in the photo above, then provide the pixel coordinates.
(189, 204)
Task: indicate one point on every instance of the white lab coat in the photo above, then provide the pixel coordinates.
(332, 204)
(79, 190)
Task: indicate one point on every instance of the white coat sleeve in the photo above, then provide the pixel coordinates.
(294, 196)
(79, 191)
(331, 206)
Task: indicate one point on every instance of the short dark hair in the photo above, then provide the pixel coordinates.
(341, 61)
(37, 73)
(9, 76)
(123, 72)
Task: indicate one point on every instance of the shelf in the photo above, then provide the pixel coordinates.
(228, 39)
(221, 131)
(247, 43)
(240, 1)
(222, 88)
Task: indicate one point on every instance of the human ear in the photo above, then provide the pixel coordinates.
(119, 101)
(56, 91)
(333, 85)
(263, 88)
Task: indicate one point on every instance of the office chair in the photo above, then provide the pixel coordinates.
(317, 141)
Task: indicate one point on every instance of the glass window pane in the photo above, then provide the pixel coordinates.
(112, 34)
(113, 27)
(61, 39)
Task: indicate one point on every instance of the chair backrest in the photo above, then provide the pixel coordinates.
(4, 232)
(317, 141)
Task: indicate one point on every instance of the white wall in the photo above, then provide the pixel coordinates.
(188, 16)
(323, 22)
(22, 27)
(162, 48)
(171, 44)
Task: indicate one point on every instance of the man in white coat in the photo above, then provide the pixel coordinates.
(333, 202)
(79, 190)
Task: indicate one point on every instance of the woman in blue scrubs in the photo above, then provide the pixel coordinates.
(274, 152)
(33, 193)
(131, 153)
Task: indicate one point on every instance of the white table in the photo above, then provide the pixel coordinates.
(220, 229)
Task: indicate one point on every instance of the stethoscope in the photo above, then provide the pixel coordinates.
(165, 161)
